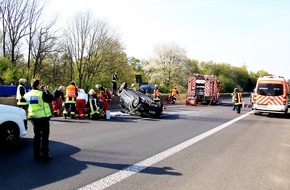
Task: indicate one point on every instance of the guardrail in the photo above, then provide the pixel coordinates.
(180, 98)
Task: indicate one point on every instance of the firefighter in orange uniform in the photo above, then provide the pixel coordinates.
(70, 100)
(172, 96)
(156, 93)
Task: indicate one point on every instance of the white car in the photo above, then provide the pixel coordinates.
(13, 124)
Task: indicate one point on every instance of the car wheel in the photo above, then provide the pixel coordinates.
(122, 86)
(135, 102)
(9, 134)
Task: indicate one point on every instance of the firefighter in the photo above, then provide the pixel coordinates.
(238, 100)
(233, 99)
(39, 114)
(70, 100)
(58, 98)
(103, 100)
(114, 83)
(81, 103)
(94, 112)
(156, 93)
(21, 102)
(172, 96)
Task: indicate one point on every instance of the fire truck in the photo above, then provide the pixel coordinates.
(203, 89)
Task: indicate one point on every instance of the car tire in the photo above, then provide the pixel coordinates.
(9, 134)
(135, 102)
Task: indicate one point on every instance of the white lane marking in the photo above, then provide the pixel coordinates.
(129, 171)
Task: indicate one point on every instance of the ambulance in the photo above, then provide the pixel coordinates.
(271, 95)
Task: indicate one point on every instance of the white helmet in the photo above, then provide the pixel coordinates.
(98, 86)
(22, 80)
(61, 88)
(91, 92)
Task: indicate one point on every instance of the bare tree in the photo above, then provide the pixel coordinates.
(19, 18)
(35, 12)
(43, 44)
(92, 45)
(169, 64)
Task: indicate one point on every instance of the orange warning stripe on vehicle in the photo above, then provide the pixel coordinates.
(270, 100)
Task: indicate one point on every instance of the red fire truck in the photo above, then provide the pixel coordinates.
(203, 88)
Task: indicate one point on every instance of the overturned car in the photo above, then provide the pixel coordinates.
(136, 102)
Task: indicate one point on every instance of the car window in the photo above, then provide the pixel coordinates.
(270, 89)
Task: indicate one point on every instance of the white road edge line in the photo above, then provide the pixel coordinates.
(129, 171)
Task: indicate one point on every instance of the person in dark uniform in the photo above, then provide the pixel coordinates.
(114, 83)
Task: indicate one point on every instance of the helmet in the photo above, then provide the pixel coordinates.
(91, 92)
(22, 80)
(73, 82)
(156, 86)
(98, 86)
(61, 88)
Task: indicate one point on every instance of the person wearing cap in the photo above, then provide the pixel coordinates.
(21, 102)
(39, 114)
(70, 99)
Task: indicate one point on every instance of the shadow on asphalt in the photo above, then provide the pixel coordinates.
(20, 171)
(274, 115)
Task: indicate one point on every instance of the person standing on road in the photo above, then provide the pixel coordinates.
(233, 99)
(156, 93)
(39, 114)
(114, 83)
(172, 96)
(21, 102)
(238, 101)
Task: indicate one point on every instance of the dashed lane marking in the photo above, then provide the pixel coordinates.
(129, 171)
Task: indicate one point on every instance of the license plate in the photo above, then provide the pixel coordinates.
(152, 112)
(262, 106)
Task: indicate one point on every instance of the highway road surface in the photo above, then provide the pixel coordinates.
(187, 148)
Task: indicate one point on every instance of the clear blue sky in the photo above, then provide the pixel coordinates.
(251, 32)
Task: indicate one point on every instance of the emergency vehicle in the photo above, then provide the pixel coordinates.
(271, 95)
(202, 88)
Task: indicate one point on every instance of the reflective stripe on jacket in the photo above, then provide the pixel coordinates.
(37, 107)
(114, 78)
(238, 99)
(20, 99)
(71, 91)
(233, 97)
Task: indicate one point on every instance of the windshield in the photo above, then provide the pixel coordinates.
(270, 89)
